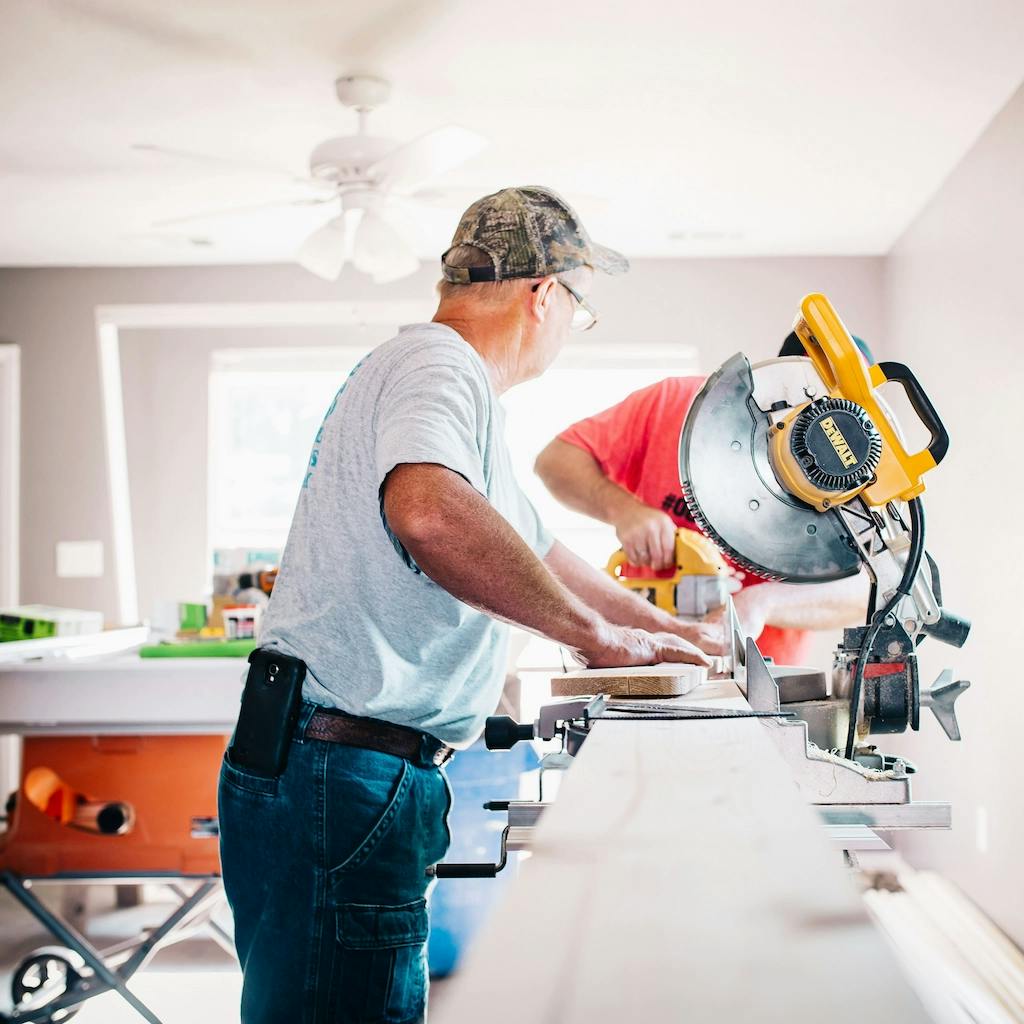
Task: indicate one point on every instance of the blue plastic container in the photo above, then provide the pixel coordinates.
(459, 906)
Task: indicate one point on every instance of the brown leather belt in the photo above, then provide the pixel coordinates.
(372, 734)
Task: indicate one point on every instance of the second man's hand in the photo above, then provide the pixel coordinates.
(647, 535)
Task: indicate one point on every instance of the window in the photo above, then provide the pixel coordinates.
(266, 406)
(265, 409)
(584, 380)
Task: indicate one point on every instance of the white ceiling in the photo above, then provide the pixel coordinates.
(733, 127)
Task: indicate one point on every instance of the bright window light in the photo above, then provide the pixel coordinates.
(265, 409)
(266, 406)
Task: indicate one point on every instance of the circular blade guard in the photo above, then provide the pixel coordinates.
(734, 497)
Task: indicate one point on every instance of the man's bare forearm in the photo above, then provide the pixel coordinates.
(814, 606)
(464, 545)
(623, 607)
(602, 593)
(575, 478)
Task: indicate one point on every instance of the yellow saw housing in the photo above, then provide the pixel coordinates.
(830, 450)
(695, 556)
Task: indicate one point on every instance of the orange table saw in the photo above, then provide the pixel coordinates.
(117, 785)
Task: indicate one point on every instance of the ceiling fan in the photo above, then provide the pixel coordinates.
(373, 185)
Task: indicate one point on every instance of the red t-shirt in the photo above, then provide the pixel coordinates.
(636, 444)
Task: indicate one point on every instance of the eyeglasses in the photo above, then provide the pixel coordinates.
(584, 316)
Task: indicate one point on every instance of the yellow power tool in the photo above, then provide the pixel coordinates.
(698, 585)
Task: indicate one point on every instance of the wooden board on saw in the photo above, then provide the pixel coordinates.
(664, 680)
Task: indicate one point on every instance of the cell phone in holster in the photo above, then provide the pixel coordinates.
(270, 709)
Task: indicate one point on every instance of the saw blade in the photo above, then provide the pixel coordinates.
(733, 496)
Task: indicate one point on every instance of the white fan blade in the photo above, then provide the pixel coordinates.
(233, 211)
(427, 157)
(380, 251)
(323, 253)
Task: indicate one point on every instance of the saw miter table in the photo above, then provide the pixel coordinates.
(679, 876)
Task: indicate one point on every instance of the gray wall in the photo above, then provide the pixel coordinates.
(719, 305)
(953, 288)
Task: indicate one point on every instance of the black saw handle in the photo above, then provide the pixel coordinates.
(466, 870)
(444, 870)
(901, 374)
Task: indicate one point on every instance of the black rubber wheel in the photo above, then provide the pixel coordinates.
(42, 978)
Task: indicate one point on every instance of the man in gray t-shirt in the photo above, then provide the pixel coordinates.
(379, 637)
(411, 549)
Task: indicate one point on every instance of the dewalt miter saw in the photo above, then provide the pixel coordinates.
(797, 470)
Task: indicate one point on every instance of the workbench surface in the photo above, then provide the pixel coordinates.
(679, 877)
(121, 693)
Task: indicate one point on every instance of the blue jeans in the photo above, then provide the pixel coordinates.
(325, 872)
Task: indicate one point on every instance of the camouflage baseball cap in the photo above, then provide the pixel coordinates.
(527, 232)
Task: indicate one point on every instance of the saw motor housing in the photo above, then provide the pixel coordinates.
(830, 449)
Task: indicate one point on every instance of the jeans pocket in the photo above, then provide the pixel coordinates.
(380, 970)
(248, 782)
(368, 837)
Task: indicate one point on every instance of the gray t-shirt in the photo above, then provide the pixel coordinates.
(379, 637)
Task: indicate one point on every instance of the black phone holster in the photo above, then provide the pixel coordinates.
(270, 709)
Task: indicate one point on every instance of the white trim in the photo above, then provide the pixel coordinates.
(110, 320)
(307, 359)
(10, 473)
(116, 440)
(263, 314)
(582, 355)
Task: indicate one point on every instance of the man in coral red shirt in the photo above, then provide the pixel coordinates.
(622, 466)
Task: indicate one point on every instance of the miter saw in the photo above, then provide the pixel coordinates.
(797, 470)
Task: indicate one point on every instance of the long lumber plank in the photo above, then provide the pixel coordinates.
(680, 877)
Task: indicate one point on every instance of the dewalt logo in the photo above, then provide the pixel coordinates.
(835, 436)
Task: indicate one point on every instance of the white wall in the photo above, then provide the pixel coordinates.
(10, 470)
(954, 312)
(719, 305)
